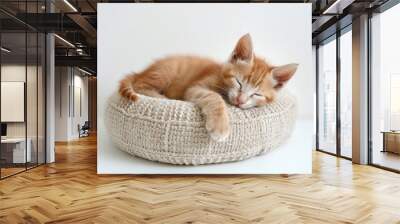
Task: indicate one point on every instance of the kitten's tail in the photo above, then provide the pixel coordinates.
(126, 88)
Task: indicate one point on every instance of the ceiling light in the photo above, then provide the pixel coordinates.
(84, 71)
(5, 50)
(79, 51)
(70, 5)
(65, 41)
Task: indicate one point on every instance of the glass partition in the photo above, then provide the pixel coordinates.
(14, 153)
(22, 77)
(31, 100)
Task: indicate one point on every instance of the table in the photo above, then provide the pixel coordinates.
(13, 150)
(391, 141)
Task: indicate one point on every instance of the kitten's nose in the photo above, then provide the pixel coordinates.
(240, 100)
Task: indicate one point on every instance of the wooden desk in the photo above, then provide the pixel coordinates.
(13, 150)
(391, 141)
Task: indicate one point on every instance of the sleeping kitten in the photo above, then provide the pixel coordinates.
(244, 81)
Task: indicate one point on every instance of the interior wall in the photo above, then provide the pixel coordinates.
(17, 73)
(79, 116)
(69, 112)
(62, 80)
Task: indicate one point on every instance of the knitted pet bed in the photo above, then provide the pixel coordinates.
(173, 131)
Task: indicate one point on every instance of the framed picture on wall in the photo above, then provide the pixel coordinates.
(204, 88)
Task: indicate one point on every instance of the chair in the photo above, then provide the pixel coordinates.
(84, 129)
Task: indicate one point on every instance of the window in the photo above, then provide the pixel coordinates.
(346, 94)
(327, 97)
(385, 89)
(334, 106)
(394, 101)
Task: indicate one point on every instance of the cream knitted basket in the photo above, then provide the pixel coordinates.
(173, 131)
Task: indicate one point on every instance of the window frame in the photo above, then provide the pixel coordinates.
(334, 37)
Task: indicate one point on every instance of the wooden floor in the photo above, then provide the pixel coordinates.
(70, 191)
(5, 172)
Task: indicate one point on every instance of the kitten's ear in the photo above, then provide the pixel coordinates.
(243, 51)
(282, 74)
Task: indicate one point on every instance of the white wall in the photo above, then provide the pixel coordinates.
(15, 72)
(62, 83)
(68, 81)
(80, 83)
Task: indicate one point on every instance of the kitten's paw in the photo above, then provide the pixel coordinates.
(218, 128)
(130, 97)
(133, 97)
(128, 93)
(219, 136)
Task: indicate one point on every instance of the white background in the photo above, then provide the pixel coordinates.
(131, 36)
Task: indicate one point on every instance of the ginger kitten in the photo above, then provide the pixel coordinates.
(244, 81)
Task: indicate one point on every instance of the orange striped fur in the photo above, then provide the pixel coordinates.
(244, 81)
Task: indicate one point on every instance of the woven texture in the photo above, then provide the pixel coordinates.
(173, 131)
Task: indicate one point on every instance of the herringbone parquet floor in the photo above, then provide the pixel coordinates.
(70, 191)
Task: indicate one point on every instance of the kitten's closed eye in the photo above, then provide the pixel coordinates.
(257, 94)
(238, 82)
